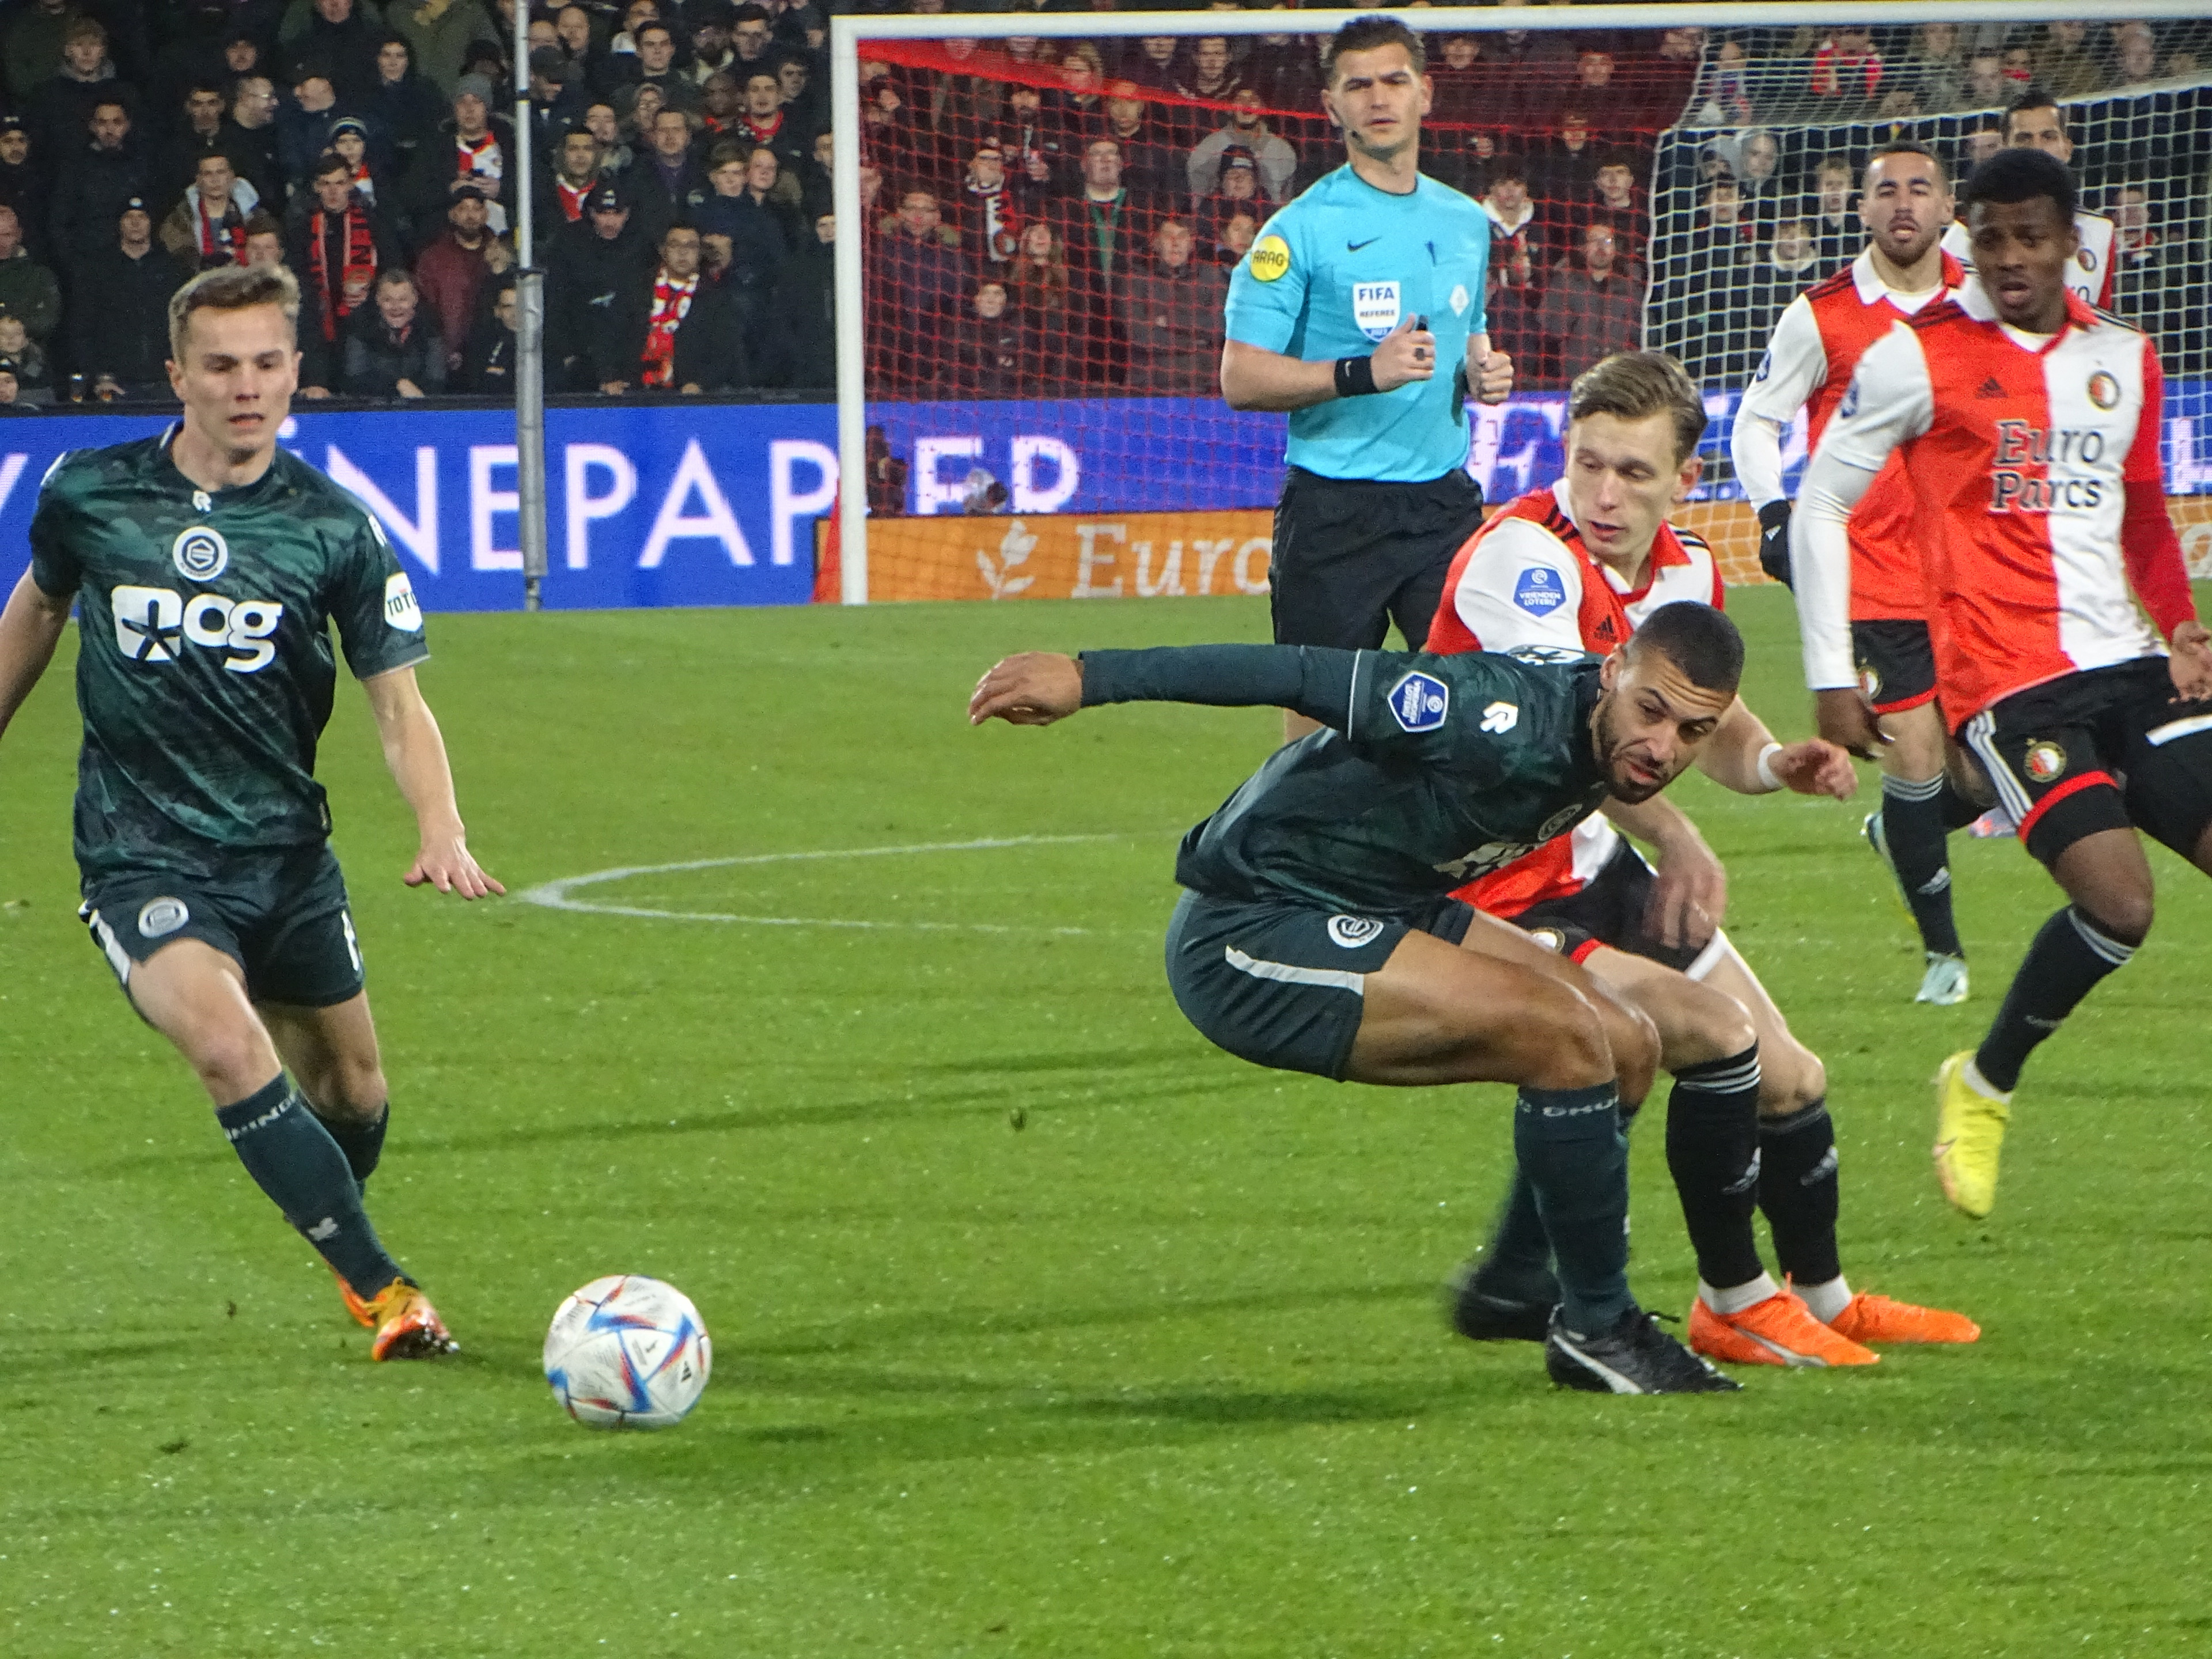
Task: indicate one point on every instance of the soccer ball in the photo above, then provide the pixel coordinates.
(627, 1352)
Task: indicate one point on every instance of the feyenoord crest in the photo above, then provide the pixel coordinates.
(200, 554)
(2086, 259)
(1352, 931)
(1375, 308)
(158, 918)
(1870, 681)
(2045, 761)
(2104, 390)
(1550, 938)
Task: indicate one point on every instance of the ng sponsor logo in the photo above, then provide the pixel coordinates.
(155, 624)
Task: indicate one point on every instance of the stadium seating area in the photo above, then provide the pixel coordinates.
(1043, 216)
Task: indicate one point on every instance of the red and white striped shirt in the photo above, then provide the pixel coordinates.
(2036, 460)
(1526, 578)
(1810, 358)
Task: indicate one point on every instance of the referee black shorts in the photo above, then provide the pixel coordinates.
(1353, 556)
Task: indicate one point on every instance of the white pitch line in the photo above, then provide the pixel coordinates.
(556, 895)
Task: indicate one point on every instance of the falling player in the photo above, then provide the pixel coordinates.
(2029, 425)
(1905, 203)
(207, 566)
(2034, 120)
(1579, 568)
(1316, 934)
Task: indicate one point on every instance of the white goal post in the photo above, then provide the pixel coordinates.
(848, 33)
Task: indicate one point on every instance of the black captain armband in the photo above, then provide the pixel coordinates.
(1355, 377)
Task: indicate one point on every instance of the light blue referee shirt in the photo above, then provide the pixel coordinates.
(1332, 274)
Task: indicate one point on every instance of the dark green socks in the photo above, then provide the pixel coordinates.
(294, 1159)
(1570, 1148)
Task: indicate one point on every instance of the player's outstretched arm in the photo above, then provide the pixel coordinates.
(1743, 756)
(415, 749)
(1037, 688)
(1034, 688)
(30, 627)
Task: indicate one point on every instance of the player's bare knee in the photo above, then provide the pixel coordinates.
(2125, 915)
(358, 1090)
(1570, 1048)
(230, 1063)
(1790, 1078)
(1636, 1056)
(1711, 1025)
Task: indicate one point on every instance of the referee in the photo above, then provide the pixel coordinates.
(1350, 299)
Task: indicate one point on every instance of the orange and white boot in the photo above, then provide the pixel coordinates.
(407, 1327)
(1779, 1330)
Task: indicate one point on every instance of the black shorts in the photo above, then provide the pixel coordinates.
(281, 916)
(1353, 556)
(1283, 984)
(2105, 749)
(1609, 911)
(1897, 663)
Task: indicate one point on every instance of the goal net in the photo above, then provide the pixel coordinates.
(1032, 311)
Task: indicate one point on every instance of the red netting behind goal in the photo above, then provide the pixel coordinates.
(983, 168)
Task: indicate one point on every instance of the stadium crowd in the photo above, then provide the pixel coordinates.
(681, 204)
(1059, 217)
(1040, 216)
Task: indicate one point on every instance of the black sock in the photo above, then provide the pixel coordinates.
(2064, 965)
(362, 1143)
(1912, 825)
(1713, 1153)
(292, 1158)
(1570, 1147)
(1797, 1191)
(1517, 1263)
(1956, 810)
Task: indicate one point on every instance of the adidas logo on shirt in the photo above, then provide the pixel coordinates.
(1991, 387)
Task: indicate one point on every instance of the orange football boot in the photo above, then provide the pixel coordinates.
(1778, 1331)
(407, 1326)
(1877, 1319)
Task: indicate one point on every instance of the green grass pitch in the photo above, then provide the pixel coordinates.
(1042, 1328)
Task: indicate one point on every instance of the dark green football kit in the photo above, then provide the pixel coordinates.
(1433, 770)
(205, 675)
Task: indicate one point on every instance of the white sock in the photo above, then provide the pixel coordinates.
(1981, 1085)
(1827, 1301)
(1737, 1297)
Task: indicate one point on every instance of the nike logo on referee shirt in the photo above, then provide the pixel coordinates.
(1354, 247)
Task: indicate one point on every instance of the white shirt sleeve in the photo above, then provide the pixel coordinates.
(1521, 585)
(1795, 365)
(1891, 401)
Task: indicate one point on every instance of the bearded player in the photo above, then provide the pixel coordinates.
(207, 567)
(1581, 566)
(1905, 203)
(1315, 932)
(2029, 425)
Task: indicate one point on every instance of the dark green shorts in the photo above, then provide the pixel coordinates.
(1283, 984)
(281, 916)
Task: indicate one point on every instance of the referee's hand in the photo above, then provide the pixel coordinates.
(1406, 354)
